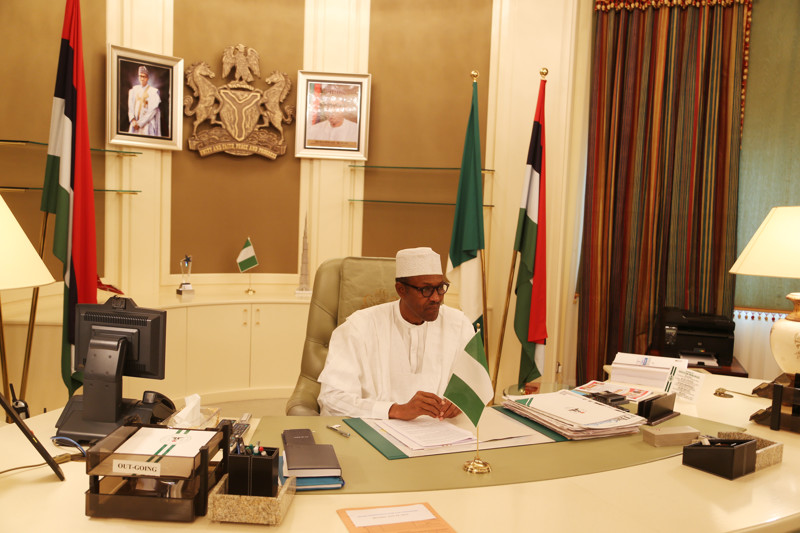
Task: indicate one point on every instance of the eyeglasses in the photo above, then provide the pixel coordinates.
(427, 290)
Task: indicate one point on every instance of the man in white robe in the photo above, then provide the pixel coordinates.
(143, 111)
(394, 360)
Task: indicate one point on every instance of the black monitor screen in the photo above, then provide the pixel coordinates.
(143, 330)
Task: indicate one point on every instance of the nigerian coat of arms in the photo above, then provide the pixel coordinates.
(242, 119)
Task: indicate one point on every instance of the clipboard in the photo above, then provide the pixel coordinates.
(31, 437)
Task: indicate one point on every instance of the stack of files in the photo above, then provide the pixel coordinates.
(576, 416)
(314, 465)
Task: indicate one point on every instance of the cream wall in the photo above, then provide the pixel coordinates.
(526, 36)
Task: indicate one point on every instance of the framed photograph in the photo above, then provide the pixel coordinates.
(145, 95)
(332, 115)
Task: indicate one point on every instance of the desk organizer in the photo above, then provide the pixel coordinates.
(224, 507)
(729, 458)
(768, 453)
(178, 492)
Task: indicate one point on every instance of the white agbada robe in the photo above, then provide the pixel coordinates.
(143, 105)
(377, 358)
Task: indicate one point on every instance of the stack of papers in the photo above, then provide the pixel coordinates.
(425, 432)
(648, 370)
(575, 416)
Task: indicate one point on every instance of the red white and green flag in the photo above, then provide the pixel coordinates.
(463, 262)
(470, 386)
(68, 189)
(530, 319)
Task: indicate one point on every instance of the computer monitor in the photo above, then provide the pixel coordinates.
(112, 340)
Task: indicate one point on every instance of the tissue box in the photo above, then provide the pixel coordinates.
(729, 458)
(669, 436)
(209, 419)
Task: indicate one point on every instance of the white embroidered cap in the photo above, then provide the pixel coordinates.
(417, 262)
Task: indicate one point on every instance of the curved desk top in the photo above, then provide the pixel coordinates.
(657, 496)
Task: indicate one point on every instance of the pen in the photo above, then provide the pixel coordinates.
(335, 427)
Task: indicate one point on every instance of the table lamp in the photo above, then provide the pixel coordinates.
(774, 251)
(20, 267)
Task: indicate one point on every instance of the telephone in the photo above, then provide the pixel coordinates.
(159, 404)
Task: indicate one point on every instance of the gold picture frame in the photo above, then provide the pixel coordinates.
(149, 118)
(332, 115)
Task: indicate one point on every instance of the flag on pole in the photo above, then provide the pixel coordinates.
(531, 310)
(68, 188)
(463, 262)
(470, 386)
(247, 257)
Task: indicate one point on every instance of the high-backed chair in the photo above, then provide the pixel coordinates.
(341, 286)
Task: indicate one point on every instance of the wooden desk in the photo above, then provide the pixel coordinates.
(734, 369)
(660, 496)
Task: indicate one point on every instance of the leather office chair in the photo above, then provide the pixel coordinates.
(341, 286)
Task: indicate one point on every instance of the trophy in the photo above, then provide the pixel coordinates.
(185, 291)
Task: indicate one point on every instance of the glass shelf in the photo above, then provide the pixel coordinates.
(407, 202)
(415, 168)
(18, 142)
(3, 188)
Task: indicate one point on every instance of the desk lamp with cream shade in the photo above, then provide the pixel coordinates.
(20, 267)
(774, 251)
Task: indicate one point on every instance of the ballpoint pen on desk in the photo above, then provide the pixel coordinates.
(337, 429)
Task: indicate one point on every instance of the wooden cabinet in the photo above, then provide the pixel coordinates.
(251, 348)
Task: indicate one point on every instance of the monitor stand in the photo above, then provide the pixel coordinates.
(74, 423)
(102, 409)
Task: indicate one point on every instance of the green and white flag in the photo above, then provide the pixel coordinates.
(466, 242)
(247, 257)
(470, 387)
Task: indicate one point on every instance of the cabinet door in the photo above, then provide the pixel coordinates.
(279, 331)
(218, 353)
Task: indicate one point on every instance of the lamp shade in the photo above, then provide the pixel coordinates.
(774, 250)
(20, 264)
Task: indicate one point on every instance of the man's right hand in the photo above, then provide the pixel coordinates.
(422, 403)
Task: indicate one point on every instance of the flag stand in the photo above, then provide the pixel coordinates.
(477, 465)
(250, 290)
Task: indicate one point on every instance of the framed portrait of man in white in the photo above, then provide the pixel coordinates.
(332, 115)
(144, 95)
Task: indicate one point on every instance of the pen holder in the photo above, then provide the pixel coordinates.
(253, 474)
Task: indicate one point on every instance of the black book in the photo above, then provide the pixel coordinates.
(311, 460)
(297, 436)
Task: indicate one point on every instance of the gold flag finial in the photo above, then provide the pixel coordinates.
(543, 72)
(474, 75)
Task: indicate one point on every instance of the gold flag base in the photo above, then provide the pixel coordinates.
(477, 466)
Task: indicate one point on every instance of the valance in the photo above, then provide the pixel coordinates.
(608, 5)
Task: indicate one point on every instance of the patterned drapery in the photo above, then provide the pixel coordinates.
(662, 175)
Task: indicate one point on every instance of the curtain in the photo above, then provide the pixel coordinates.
(667, 101)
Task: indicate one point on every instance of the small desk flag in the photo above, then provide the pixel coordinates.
(247, 257)
(470, 387)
